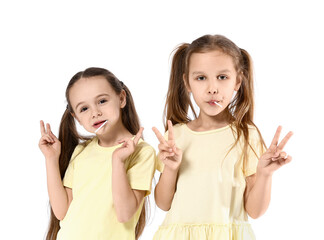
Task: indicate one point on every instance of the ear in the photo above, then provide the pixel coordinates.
(238, 81)
(185, 83)
(122, 99)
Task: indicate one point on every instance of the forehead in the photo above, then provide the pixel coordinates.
(86, 89)
(212, 60)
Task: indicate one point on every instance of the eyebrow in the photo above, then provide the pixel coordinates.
(221, 71)
(98, 96)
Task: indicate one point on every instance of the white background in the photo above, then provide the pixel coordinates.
(43, 44)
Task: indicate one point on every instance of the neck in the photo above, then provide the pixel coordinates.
(114, 135)
(206, 123)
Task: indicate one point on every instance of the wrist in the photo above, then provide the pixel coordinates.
(264, 174)
(118, 162)
(171, 170)
(52, 161)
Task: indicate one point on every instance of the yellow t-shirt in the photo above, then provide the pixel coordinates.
(91, 215)
(209, 198)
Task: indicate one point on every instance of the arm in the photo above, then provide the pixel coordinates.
(60, 196)
(165, 189)
(258, 186)
(51, 148)
(257, 194)
(171, 156)
(126, 200)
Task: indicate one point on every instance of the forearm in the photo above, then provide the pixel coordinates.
(258, 199)
(56, 192)
(125, 201)
(165, 189)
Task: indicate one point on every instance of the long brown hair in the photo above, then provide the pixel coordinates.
(70, 138)
(239, 111)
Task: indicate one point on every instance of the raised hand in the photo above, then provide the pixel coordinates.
(274, 157)
(169, 154)
(128, 147)
(48, 143)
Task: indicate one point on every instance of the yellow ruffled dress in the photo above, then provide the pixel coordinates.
(209, 198)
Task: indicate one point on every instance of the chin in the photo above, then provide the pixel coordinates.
(212, 113)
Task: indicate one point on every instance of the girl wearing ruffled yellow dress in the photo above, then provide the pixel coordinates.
(215, 169)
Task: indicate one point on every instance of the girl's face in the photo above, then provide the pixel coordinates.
(212, 78)
(94, 101)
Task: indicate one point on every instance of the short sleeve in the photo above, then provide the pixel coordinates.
(68, 177)
(159, 163)
(141, 167)
(255, 150)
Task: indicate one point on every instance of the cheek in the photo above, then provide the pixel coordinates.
(113, 110)
(195, 94)
(198, 88)
(82, 120)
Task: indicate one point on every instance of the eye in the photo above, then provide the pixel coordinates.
(222, 77)
(83, 109)
(201, 78)
(102, 101)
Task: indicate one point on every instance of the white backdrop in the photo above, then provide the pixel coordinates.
(43, 44)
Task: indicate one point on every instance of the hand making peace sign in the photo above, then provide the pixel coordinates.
(128, 146)
(49, 144)
(274, 157)
(169, 154)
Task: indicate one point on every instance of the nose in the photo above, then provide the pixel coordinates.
(212, 88)
(96, 113)
(213, 91)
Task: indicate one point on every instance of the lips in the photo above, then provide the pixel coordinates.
(98, 124)
(213, 102)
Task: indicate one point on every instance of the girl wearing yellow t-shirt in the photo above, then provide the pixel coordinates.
(215, 168)
(105, 177)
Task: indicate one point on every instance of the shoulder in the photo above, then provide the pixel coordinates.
(254, 133)
(144, 147)
(252, 128)
(177, 129)
(179, 126)
(144, 153)
(81, 147)
(256, 141)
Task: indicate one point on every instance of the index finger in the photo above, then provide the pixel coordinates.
(138, 135)
(42, 127)
(275, 139)
(284, 141)
(159, 135)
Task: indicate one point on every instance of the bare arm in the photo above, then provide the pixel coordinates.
(258, 186)
(171, 156)
(165, 189)
(126, 200)
(257, 195)
(51, 148)
(57, 194)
